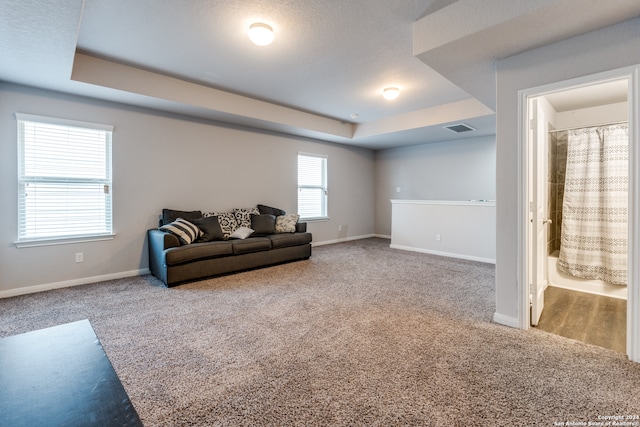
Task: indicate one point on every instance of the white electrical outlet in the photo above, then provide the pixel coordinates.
(437, 237)
(79, 257)
(398, 190)
(339, 228)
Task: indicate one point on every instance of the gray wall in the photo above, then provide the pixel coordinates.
(607, 49)
(161, 160)
(452, 170)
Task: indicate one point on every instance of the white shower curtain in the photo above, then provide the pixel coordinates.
(594, 211)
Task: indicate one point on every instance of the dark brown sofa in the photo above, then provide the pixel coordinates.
(174, 263)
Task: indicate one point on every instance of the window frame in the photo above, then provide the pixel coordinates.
(324, 215)
(23, 178)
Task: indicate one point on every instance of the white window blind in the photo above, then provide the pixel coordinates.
(312, 186)
(64, 179)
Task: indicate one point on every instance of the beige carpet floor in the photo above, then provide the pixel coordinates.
(359, 335)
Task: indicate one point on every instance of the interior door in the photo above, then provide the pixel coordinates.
(538, 145)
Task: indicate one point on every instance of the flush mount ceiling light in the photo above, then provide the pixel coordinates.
(390, 93)
(261, 34)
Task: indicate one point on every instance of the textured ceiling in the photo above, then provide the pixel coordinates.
(321, 78)
(321, 60)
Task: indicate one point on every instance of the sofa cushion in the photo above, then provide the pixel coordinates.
(287, 239)
(170, 215)
(227, 221)
(197, 251)
(286, 223)
(263, 224)
(210, 228)
(252, 244)
(263, 209)
(184, 230)
(243, 216)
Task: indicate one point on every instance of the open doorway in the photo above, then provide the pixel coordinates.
(583, 147)
(596, 105)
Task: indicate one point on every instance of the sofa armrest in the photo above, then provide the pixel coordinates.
(301, 227)
(160, 240)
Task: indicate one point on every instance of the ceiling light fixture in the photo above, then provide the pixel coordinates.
(390, 93)
(261, 34)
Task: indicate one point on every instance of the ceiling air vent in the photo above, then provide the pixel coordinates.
(459, 128)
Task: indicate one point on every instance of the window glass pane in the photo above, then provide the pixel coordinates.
(310, 202)
(310, 171)
(51, 210)
(58, 151)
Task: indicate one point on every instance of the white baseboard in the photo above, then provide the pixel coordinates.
(447, 254)
(506, 320)
(69, 283)
(345, 239)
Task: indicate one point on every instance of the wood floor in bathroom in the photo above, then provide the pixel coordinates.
(592, 319)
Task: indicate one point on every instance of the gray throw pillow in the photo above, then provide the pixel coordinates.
(210, 228)
(263, 225)
(227, 221)
(170, 215)
(270, 211)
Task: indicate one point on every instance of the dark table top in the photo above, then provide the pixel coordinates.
(60, 376)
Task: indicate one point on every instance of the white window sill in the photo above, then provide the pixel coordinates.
(62, 241)
(314, 219)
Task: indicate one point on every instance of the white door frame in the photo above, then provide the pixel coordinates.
(538, 150)
(631, 73)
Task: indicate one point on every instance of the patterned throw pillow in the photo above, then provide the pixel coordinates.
(243, 216)
(227, 220)
(185, 231)
(286, 223)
